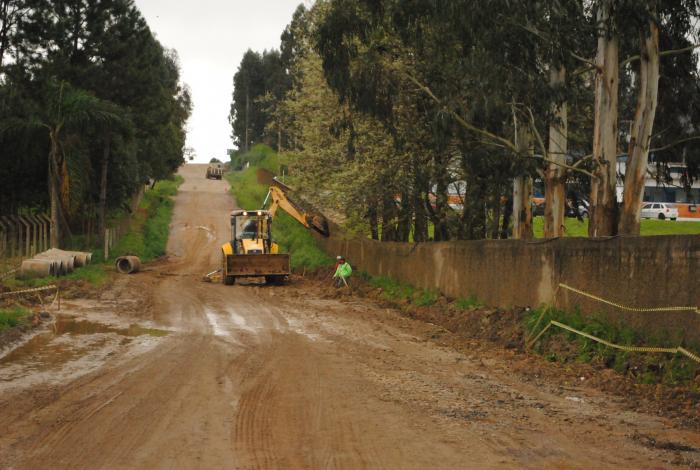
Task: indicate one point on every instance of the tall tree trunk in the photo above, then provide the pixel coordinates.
(507, 214)
(603, 211)
(638, 152)
(388, 218)
(279, 137)
(373, 219)
(496, 212)
(522, 207)
(405, 217)
(54, 197)
(4, 29)
(247, 111)
(420, 223)
(522, 191)
(102, 224)
(441, 204)
(554, 180)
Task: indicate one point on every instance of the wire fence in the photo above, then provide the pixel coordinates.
(21, 237)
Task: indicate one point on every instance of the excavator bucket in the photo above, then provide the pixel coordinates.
(280, 195)
(319, 223)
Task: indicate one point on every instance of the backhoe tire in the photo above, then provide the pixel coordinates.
(229, 280)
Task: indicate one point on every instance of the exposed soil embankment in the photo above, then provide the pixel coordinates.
(504, 332)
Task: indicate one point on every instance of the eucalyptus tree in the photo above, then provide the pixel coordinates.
(652, 17)
(258, 75)
(462, 57)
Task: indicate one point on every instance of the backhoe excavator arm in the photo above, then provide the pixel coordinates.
(280, 200)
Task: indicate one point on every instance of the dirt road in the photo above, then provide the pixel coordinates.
(166, 371)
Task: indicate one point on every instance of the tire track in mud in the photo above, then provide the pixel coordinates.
(259, 377)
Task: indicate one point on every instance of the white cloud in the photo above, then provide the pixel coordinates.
(211, 37)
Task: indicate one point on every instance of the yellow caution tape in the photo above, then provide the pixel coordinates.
(8, 273)
(27, 291)
(631, 309)
(646, 349)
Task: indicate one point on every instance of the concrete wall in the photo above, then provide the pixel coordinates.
(635, 271)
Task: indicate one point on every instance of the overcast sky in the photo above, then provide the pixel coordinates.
(211, 37)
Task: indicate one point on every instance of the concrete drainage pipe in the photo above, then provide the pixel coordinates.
(80, 258)
(66, 262)
(38, 268)
(128, 264)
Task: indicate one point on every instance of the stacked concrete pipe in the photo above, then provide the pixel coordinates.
(38, 268)
(54, 262)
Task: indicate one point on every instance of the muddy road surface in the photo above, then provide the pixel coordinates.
(163, 370)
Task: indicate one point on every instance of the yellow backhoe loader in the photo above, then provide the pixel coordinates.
(251, 251)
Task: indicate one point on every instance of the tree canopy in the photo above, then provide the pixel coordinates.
(425, 119)
(98, 67)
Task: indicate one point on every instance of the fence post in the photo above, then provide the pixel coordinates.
(9, 243)
(46, 229)
(3, 238)
(18, 235)
(27, 235)
(35, 234)
(106, 244)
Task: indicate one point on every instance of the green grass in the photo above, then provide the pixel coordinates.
(11, 317)
(392, 289)
(148, 234)
(94, 274)
(469, 303)
(576, 228)
(645, 367)
(397, 291)
(292, 237)
(425, 297)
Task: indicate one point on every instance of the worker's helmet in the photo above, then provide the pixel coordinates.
(338, 257)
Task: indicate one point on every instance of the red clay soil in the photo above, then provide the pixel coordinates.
(295, 376)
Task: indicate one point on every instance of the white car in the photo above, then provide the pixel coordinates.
(659, 210)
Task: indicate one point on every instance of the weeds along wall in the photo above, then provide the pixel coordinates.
(656, 271)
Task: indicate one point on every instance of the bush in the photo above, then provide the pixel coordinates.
(392, 289)
(425, 297)
(259, 156)
(148, 234)
(469, 303)
(11, 317)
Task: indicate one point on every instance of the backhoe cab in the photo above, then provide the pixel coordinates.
(251, 251)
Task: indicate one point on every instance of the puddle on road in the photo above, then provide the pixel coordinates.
(72, 325)
(68, 339)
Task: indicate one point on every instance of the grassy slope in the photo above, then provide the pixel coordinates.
(292, 237)
(148, 235)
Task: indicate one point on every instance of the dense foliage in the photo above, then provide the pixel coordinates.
(423, 120)
(91, 109)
